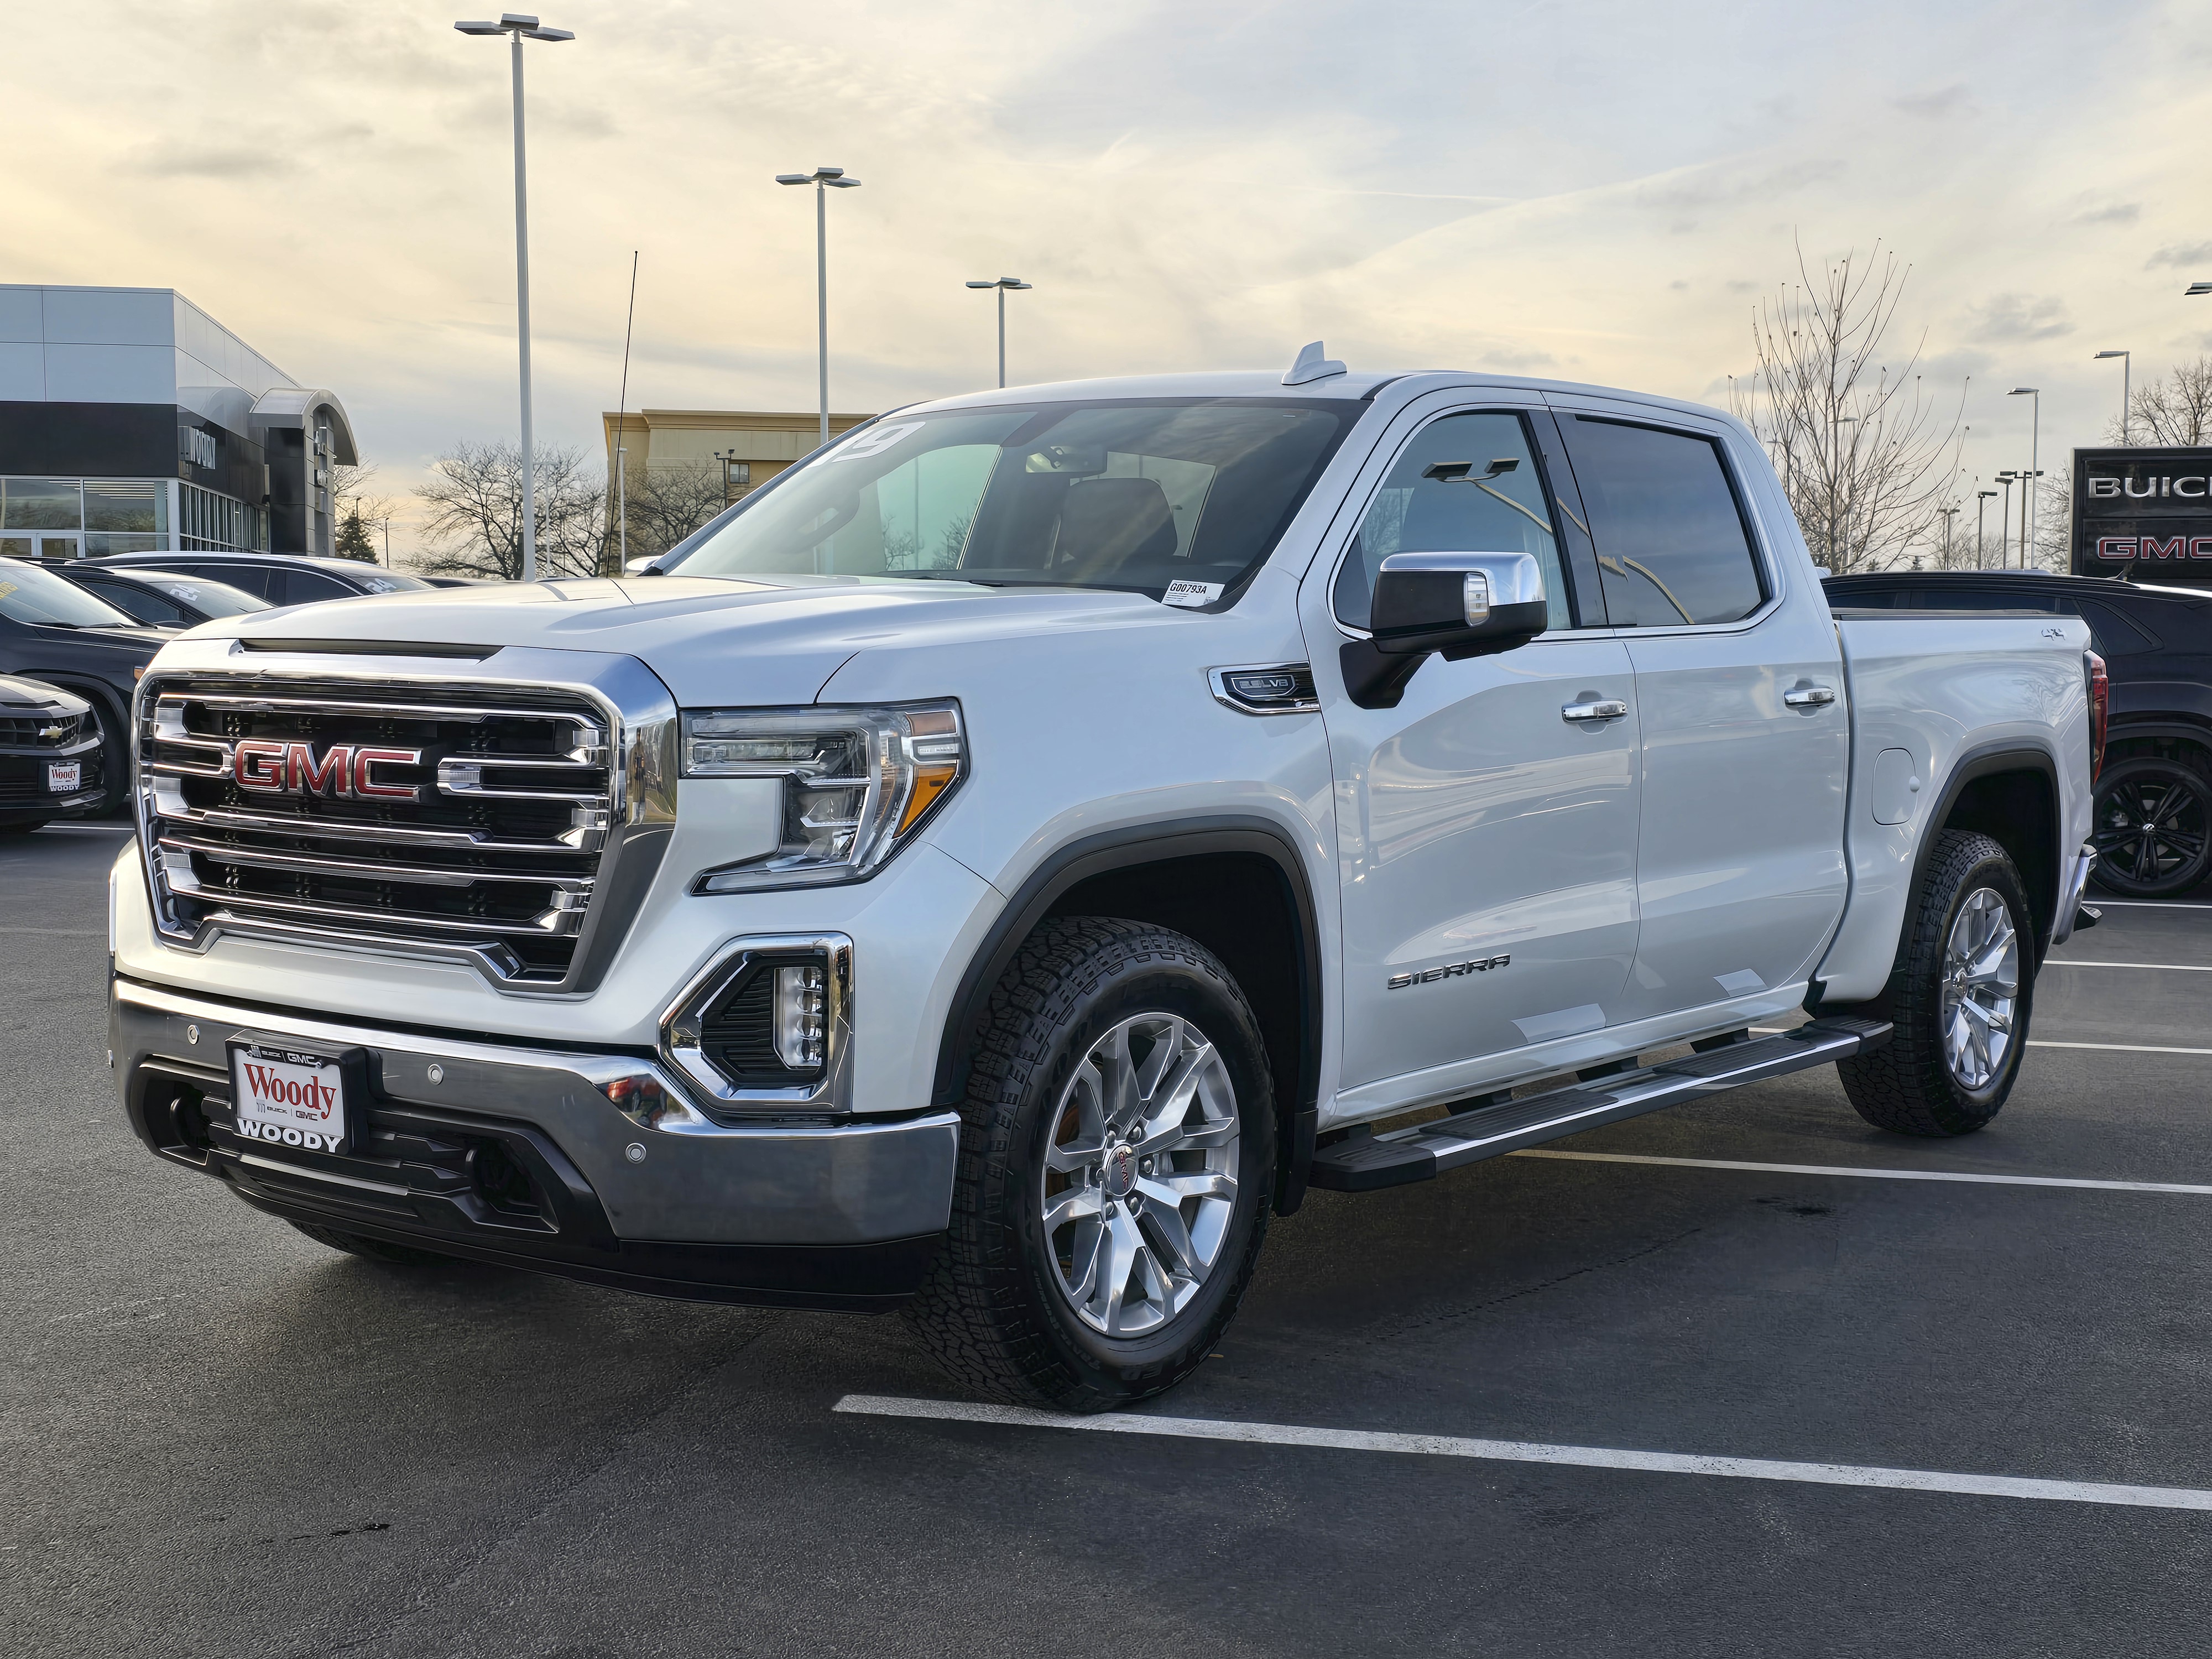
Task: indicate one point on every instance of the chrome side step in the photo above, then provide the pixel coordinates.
(1366, 1163)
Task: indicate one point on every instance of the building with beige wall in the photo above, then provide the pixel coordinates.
(758, 445)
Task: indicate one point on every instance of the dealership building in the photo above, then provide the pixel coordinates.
(131, 420)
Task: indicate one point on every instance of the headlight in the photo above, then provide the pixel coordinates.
(857, 783)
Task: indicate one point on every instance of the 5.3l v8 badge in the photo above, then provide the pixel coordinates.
(1448, 970)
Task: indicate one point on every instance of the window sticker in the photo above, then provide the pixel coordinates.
(873, 441)
(1190, 596)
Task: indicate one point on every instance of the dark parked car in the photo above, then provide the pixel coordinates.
(50, 759)
(51, 629)
(2154, 832)
(278, 578)
(161, 598)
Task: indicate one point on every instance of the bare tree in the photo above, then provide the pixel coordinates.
(1866, 455)
(2175, 412)
(472, 522)
(667, 504)
(2052, 546)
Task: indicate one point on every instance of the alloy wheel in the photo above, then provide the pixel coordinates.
(2150, 830)
(1981, 979)
(1138, 1185)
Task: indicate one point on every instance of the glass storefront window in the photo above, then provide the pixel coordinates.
(43, 504)
(111, 504)
(98, 546)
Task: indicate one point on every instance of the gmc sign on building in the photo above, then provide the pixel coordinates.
(2147, 512)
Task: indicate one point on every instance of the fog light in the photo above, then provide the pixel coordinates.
(800, 1023)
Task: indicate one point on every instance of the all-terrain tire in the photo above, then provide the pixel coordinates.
(994, 1311)
(375, 1250)
(1908, 1086)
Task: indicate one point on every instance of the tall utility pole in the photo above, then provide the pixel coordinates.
(1981, 506)
(2004, 522)
(517, 28)
(622, 430)
(1947, 514)
(2035, 467)
(1004, 285)
(824, 180)
(2127, 373)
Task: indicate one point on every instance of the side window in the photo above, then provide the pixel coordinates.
(254, 579)
(1466, 484)
(2111, 631)
(1672, 547)
(149, 608)
(1949, 597)
(306, 587)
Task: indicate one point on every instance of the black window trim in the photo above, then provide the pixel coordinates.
(1765, 567)
(1527, 414)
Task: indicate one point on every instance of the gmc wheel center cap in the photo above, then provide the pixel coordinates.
(1121, 1171)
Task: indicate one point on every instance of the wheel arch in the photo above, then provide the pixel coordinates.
(2011, 794)
(1235, 883)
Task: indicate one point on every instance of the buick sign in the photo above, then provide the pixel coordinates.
(2147, 512)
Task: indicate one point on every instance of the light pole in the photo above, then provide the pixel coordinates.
(822, 179)
(2004, 521)
(517, 28)
(1947, 514)
(1981, 506)
(1005, 285)
(2034, 468)
(2127, 373)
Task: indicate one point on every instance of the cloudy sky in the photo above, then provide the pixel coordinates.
(1591, 190)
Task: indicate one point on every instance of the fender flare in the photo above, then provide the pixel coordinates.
(2006, 755)
(1151, 843)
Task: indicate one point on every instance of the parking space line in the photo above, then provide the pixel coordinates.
(2117, 1048)
(1872, 1174)
(2162, 967)
(1527, 1451)
(59, 932)
(2150, 904)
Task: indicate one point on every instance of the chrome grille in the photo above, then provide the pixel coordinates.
(283, 809)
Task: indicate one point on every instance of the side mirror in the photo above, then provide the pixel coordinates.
(1459, 604)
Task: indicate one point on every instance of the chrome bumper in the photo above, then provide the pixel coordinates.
(685, 1181)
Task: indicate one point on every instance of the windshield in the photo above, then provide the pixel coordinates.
(28, 594)
(210, 598)
(1127, 496)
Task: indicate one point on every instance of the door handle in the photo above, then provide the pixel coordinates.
(1809, 696)
(1608, 709)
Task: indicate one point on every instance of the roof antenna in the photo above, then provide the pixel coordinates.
(1312, 366)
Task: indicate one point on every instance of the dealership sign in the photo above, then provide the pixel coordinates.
(2145, 510)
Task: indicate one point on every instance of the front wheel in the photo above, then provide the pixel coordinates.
(1116, 1157)
(1960, 1000)
(2151, 832)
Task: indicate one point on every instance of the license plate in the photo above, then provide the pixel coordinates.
(285, 1097)
(65, 777)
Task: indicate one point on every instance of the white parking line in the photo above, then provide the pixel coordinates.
(1871, 1174)
(2150, 904)
(2162, 967)
(1527, 1451)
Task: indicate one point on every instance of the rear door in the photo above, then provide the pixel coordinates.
(1740, 873)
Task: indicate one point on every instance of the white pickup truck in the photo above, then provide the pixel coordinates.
(993, 866)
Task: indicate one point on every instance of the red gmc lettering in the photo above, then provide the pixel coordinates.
(303, 776)
(2116, 547)
(365, 786)
(2176, 547)
(257, 763)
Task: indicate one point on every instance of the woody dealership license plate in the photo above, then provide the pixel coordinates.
(65, 777)
(287, 1097)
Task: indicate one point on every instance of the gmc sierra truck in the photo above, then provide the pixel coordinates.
(1016, 851)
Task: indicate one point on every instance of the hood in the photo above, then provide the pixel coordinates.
(755, 640)
(17, 692)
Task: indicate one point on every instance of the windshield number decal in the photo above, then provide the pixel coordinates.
(873, 441)
(1190, 595)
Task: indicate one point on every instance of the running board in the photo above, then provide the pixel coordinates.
(1366, 1163)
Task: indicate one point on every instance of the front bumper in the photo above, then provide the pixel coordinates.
(513, 1154)
(24, 796)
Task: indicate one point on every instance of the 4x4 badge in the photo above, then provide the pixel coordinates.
(1450, 970)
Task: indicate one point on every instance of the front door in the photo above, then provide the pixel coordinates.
(1485, 830)
(1740, 870)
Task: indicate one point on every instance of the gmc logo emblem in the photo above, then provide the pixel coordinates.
(270, 767)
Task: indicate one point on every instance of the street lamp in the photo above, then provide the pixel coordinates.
(1005, 285)
(731, 464)
(2004, 519)
(2127, 373)
(517, 28)
(2195, 288)
(823, 178)
(2035, 468)
(1947, 514)
(1981, 506)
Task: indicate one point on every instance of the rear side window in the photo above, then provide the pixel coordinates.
(254, 579)
(2113, 633)
(1671, 544)
(149, 608)
(1950, 598)
(306, 587)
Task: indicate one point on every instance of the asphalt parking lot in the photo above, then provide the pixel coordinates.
(221, 1439)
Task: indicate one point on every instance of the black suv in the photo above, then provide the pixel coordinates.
(2153, 834)
(66, 636)
(279, 578)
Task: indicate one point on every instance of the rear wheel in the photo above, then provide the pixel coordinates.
(1960, 1001)
(2151, 828)
(375, 1249)
(1116, 1162)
